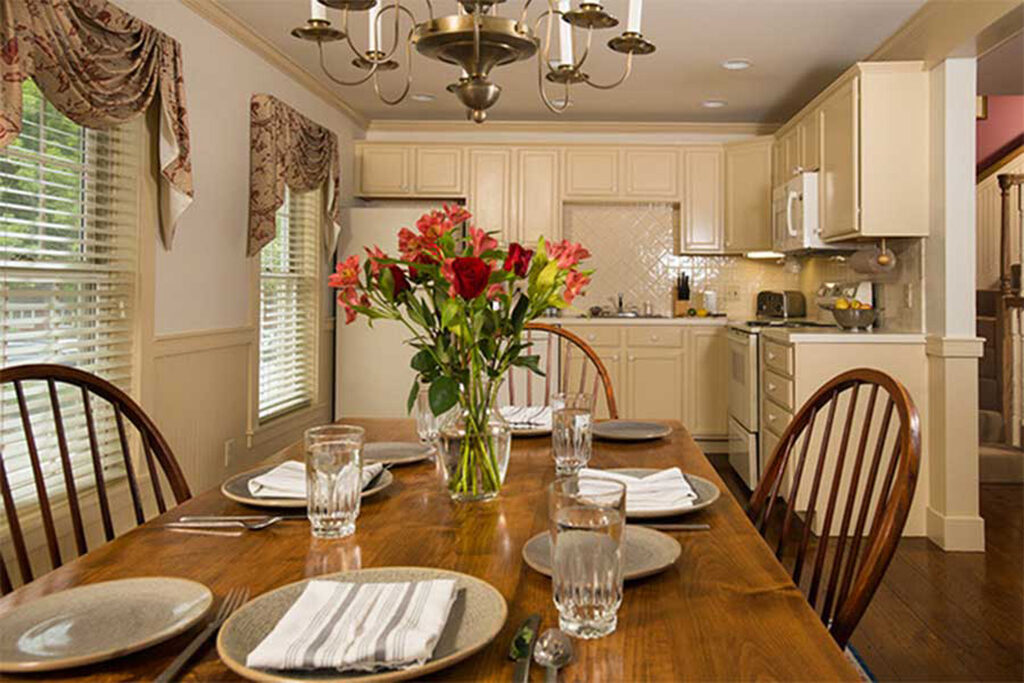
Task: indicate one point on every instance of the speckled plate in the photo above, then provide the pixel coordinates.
(476, 618)
(395, 452)
(707, 493)
(98, 621)
(630, 430)
(237, 489)
(646, 552)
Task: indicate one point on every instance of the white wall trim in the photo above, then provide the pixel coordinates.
(218, 15)
(953, 534)
(202, 341)
(955, 347)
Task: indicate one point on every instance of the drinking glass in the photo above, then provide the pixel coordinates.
(334, 473)
(571, 423)
(587, 519)
(428, 425)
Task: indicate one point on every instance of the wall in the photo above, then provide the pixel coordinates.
(1001, 131)
(199, 374)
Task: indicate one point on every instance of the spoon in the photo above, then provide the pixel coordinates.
(552, 651)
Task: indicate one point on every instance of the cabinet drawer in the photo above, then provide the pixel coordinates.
(598, 335)
(778, 357)
(775, 418)
(654, 336)
(778, 388)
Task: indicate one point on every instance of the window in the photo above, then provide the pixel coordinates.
(289, 286)
(68, 268)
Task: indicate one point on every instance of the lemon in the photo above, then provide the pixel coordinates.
(842, 304)
(702, 313)
(855, 305)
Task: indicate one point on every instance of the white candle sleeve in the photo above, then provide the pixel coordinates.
(564, 35)
(316, 10)
(636, 10)
(371, 14)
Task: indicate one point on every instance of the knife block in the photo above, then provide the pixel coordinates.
(681, 307)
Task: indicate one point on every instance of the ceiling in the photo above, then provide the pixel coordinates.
(796, 46)
(1001, 71)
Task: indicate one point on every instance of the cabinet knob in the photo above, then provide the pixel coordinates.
(632, 358)
(615, 357)
(771, 418)
(771, 356)
(771, 386)
(654, 337)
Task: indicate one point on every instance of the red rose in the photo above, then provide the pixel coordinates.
(518, 259)
(470, 275)
(401, 284)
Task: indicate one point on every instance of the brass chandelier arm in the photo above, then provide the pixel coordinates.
(542, 66)
(408, 77)
(339, 81)
(625, 75)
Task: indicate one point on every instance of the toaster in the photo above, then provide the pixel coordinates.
(786, 304)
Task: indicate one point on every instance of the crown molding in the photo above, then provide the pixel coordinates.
(218, 15)
(406, 126)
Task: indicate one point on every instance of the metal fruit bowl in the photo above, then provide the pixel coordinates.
(855, 318)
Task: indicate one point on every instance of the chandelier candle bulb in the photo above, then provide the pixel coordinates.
(564, 35)
(317, 11)
(636, 10)
(371, 14)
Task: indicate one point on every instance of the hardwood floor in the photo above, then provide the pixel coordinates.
(946, 616)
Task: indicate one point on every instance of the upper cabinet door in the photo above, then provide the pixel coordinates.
(703, 171)
(384, 170)
(809, 132)
(592, 172)
(490, 189)
(651, 173)
(538, 196)
(748, 196)
(839, 162)
(439, 171)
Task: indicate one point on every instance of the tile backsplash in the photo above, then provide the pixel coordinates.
(633, 247)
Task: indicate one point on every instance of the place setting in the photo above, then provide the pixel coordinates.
(528, 421)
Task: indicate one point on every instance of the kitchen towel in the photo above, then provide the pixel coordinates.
(664, 490)
(358, 626)
(288, 480)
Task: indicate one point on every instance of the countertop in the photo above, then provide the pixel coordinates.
(686, 322)
(819, 335)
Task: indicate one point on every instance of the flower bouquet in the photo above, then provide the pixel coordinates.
(465, 301)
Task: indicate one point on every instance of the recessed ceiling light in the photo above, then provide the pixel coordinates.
(736, 64)
(422, 97)
(713, 104)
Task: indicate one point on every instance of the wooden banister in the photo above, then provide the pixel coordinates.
(1008, 311)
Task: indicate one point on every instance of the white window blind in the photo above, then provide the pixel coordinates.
(289, 282)
(68, 267)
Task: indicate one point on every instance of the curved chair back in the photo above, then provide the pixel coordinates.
(85, 414)
(837, 474)
(569, 365)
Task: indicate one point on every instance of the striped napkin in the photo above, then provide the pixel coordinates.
(288, 480)
(358, 626)
(664, 490)
(527, 417)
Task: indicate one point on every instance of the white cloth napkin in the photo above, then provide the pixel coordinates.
(358, 627)
(527, 417)
(664, 490)
(288, 480)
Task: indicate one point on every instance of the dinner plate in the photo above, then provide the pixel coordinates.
(534, 432)
(645, 552)
(473, 623)
(98, 621)
(630, 430)
(707, 493)
(395, 452)
(237, 489)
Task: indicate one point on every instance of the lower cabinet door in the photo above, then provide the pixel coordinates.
(654, 384)
(707, 388)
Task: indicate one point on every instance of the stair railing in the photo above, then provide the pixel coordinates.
(1010, 311)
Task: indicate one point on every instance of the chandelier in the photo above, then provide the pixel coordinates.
(478, 39)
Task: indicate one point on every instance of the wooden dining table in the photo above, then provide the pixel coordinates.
(726, 610)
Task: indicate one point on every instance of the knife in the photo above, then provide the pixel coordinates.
(521, 648)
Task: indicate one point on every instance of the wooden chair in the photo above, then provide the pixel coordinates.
(581, 370)
(35, 382)
(858, 561)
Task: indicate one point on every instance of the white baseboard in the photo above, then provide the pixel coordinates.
(956, 534)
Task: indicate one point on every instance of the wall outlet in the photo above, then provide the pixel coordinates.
(732, 293)
(229, 452)
(908, 295)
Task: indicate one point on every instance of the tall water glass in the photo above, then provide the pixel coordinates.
(334, 473)
(428, 425)
(571, 424)
(587, 519)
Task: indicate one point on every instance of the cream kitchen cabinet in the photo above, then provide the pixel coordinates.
(650, 173)
(809, 142)
(706, 410)
(748, 196)
(703, 199)
(786, 157)
(396, 170)
(591, 172)
(491, 189)
(538, 199)
(654, 383)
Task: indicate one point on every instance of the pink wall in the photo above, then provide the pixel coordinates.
(1002, 130)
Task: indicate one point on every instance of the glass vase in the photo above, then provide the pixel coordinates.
(475, 443)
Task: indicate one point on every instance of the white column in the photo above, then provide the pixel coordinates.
(953, 348)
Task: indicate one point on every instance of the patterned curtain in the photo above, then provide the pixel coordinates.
(286, 148)
(101, 67)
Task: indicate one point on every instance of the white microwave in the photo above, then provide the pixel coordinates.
(795, 226)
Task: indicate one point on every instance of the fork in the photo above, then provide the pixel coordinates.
(248, 524)
(235, 598)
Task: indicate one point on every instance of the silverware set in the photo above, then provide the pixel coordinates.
(552, 650)
(247, 522)
(235, 598)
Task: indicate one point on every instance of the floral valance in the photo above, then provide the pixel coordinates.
(286, 148)
(100, 67)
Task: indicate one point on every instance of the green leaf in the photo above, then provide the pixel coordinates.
(449, 309)
(414, 393)
(423, 361)
(531, 362)
(519, 313)
(387, 284)
(444, 394)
